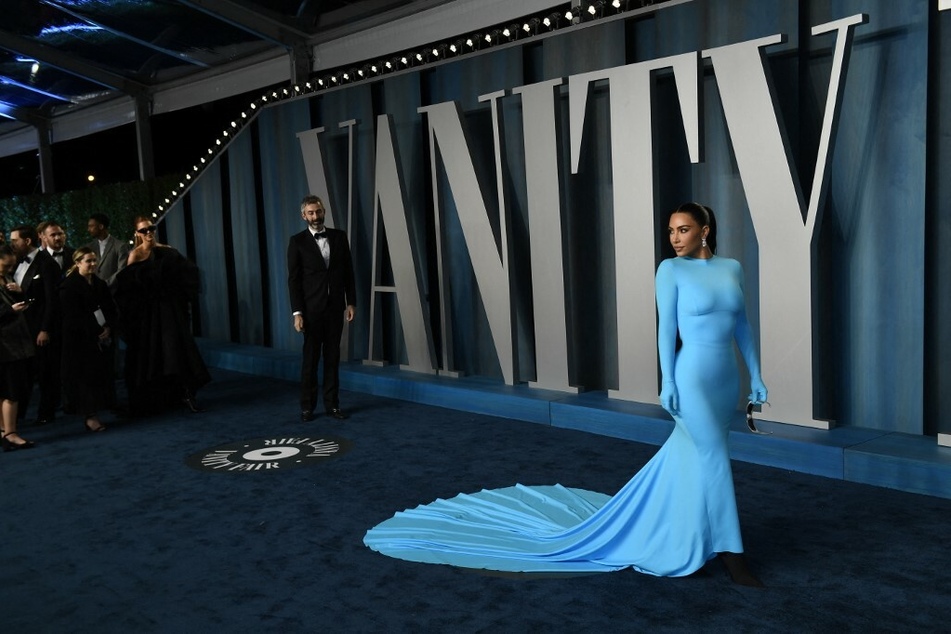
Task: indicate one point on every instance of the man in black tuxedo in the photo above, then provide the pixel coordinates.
(322, 293)
(55, 239)
(37, 277)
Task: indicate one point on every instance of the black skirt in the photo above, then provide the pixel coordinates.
(15, 379)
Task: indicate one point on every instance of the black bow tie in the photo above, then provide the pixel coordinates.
(59, 253)
(27, 259)
(322, 234)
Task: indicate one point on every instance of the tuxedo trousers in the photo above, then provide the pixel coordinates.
(321, 339)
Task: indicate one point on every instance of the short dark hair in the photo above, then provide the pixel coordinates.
(6, 250)
(102, 219)
(28, 233)
(310, 199)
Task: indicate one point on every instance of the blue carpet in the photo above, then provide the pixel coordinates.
(113, 532)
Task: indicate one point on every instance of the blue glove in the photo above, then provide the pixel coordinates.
(669, 398)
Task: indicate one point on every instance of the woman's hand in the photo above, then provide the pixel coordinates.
(758, 391)
(139, 254)
(669, 398)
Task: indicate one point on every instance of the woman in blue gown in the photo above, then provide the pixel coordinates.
(679, 510)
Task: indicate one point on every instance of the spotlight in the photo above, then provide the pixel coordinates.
(308, 86)
(320, 82)
(234, 125)
(596, 9)
(404, 61)
(296, 88)
(419, 57)
(254, 106)
(388, 64)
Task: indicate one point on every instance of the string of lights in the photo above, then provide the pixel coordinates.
(534, 25)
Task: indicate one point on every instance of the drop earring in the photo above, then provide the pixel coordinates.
(703, 242)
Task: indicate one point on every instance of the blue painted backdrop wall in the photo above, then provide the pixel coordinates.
(881, 333)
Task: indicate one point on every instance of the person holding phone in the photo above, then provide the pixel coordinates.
(16, 353)
(36, 277)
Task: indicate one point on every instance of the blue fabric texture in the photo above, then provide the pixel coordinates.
(676, 513)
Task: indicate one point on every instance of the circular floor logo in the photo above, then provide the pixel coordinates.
(278, 453)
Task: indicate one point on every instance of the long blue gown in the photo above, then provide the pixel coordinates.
(677, 512)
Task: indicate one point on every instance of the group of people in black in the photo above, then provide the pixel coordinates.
(62, 311)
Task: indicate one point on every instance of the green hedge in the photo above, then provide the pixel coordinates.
(122, 202)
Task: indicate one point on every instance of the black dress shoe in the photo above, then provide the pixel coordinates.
(336, 412)
(306, 416)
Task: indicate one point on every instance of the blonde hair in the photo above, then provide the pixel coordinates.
(78, 255)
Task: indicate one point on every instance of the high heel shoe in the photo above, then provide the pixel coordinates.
(740, 573)
(192, 405)
(93, 429)
(9, 445)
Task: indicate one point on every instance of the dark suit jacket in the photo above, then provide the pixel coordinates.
(113, 258)
(41, 284)
(67, 260)
(315, 287)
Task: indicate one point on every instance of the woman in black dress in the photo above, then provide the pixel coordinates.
(89, 314)
(154, 293)
(16, 352)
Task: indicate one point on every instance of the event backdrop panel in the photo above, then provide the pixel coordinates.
(865, 262)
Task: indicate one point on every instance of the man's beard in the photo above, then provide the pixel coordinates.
(316, 225)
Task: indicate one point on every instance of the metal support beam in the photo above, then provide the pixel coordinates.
(143, 137)
(44, 144)
(302, 62)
